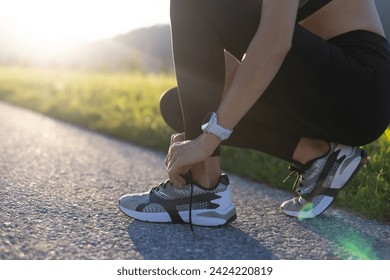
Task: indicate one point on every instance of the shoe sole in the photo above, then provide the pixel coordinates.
(206, 217)
(326, 202)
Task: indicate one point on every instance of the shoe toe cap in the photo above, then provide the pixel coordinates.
(131, 201)
(297, 207)
(290, 205)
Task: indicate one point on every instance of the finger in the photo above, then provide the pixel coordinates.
(172, 139)
(175, 171)
(176, 179)
(170, 155)
(178, 137)
(167, 158)
(172, 160)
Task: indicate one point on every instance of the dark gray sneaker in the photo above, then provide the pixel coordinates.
(167, 203)
(320, 180)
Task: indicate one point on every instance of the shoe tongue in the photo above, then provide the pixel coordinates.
(303, 167)
(309, 164)
(296, 163)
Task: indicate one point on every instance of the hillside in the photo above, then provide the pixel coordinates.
(147, 49)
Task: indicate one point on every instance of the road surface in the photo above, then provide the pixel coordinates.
(59, 189)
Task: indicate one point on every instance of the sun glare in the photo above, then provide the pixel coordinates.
(49, 26)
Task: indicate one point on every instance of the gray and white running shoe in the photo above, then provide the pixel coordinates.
(320, 180)
(191, 204)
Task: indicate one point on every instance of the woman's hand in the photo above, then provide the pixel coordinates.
(177, 137)
(182, 155)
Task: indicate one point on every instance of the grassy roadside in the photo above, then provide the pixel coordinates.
(125, 106)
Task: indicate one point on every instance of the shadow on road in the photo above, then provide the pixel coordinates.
(176, 242)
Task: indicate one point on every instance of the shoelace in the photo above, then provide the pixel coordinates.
(298, 181)
(163, 185)
(190, 206)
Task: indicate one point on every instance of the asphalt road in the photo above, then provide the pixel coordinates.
(59, 188)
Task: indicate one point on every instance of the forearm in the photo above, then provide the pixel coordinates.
(252, 78)
(231, 66)
(263, 60)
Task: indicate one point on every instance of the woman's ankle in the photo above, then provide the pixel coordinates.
(207, 173)
(309, 149)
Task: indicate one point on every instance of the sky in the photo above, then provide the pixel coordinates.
(53, 25)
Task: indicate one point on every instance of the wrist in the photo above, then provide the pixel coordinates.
(210, 142)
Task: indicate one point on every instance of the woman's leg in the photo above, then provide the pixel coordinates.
(200, 66)
(320, 92)
(201, 31)
(262, 135)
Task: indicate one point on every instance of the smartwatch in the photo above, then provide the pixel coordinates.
(210, 125)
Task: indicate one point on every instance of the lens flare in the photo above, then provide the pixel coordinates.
(49, 27)
(347, 241)
(358, 247)
(305, 211)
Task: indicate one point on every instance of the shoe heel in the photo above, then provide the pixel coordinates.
(363, 161)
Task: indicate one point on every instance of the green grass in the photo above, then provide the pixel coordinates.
(125, 106)
(121, 105)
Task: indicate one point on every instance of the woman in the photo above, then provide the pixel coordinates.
(304, 81)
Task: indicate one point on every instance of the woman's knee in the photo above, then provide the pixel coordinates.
(170, 109)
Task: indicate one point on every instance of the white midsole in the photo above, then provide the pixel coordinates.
(197, 218)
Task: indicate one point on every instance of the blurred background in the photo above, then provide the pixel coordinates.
(101, 34)
(112, 35)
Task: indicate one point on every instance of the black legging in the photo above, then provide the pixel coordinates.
(336, 90)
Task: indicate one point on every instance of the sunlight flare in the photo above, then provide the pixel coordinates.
(49, 26)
